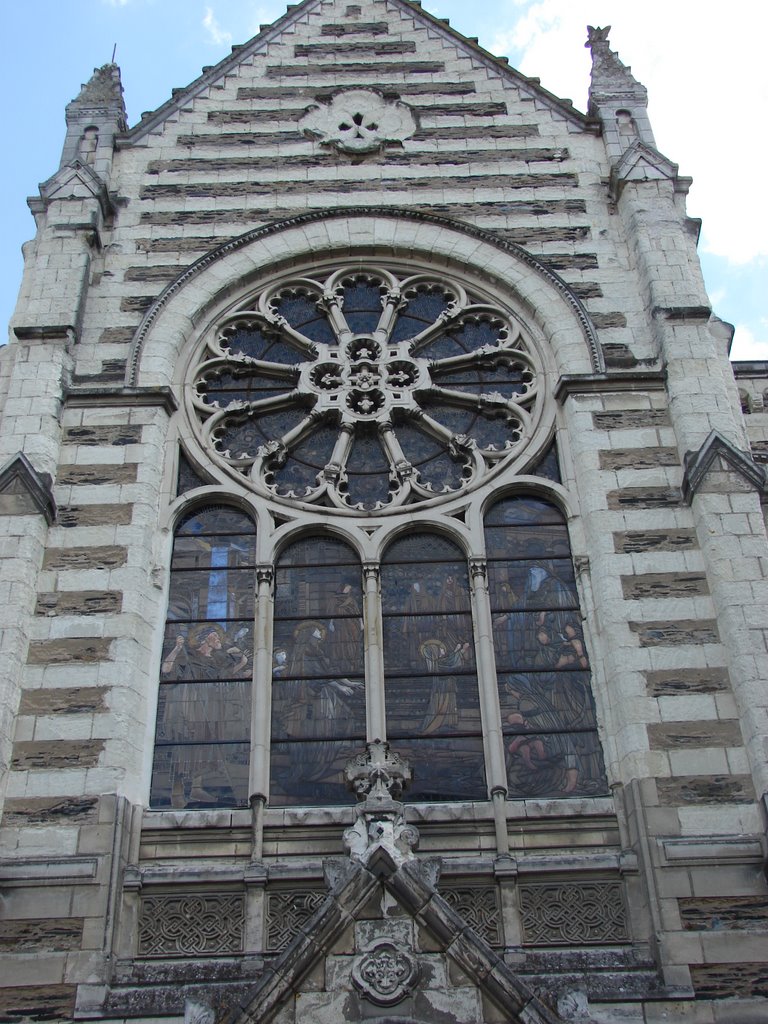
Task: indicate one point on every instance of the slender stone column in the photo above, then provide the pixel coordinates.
(376, 715)
(490, 715)
(261, 703)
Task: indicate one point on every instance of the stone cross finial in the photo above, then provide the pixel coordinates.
(378, 777)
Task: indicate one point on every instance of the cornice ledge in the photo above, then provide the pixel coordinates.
(598, 383)
(44, 332)
(19, 477)
(83, 398)
(698, 464)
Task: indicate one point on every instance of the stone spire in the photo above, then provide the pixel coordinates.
(616, 97)
(94, 117)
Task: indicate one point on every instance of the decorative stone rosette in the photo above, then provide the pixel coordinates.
(359, 121)
(385, 974)
(367, 389)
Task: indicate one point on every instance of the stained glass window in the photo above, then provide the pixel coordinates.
(547, 710)
(318, 674)
(203, 719)
(433, 713)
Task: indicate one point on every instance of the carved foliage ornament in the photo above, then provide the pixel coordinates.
(385, 974)
(366, 389)
(358, 121)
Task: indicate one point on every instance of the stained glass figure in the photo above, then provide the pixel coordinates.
(547, 710)
(203, 719)
(318, 691)
(381, 361)
(433, 713)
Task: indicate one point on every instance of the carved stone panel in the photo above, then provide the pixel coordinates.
(479, 906)
(385, 974)
(191, 924)
(564, 914)
(287, 911)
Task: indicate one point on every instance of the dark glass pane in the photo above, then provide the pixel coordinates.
(187, 478)
(311, 773)
(302, 313)
(321, 551)
(442, 347)
(548, 467)
(548, 584)
(523, 511)
(305, 461)
(200, 775)
(217, 519)
(214, 550)
(222, 389)
(555, 765)
(322, 649)
(417, 446)
(362, 305)
(503, 380)
(495, 432)
(424, 547)
(428, 642)
(444, 703)
(317, 710)
(546, 702)
(214, 595)
(442, 473)
(527, 542)
(208, 650)
(190, 713)
(367, 472)
(475, 333)
(248, 342)
(452, 417)
(444, 769)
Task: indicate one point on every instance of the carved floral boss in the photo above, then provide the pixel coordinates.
(358, 121)
(367, 389)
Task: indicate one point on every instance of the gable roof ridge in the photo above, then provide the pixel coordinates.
(181, 96)
(699, 463)
(501, 65)
(412, 885)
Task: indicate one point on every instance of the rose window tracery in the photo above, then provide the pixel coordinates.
(367, 389)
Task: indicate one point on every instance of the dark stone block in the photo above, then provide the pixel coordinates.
(676, 735)
(106, 473)
(115, 435)
(79, 602)
(136, 304)
(37, 1002)
(605, 320)
(654, 540)
(681, 681)
(64, 700)
(638, 458)
(94, 515)
(405, 67)
(369, 28)
(568, 261)
(31, 935)
(59, 652)
(630, 419)
(117, 335)
(644, 497)
(671, 632)
(705, 789)
(151, 273)
(721, 913)
(729, 981)
(664, 584)
(107, 556)
(356, 48)
(31, 755)
(42, 810)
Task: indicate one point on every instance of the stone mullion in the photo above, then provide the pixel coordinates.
(490, 714)
(261, 703)
(375, 706)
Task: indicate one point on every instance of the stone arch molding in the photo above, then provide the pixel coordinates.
(188, 305)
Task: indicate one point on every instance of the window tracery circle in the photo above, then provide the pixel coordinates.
(367, 389)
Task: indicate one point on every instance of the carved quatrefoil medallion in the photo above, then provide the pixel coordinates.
(358, 121)
(385, 974)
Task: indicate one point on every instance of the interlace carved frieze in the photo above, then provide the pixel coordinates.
(199, 924)
(367, 389)
(568, 914)
(479, 906)
(287, 911)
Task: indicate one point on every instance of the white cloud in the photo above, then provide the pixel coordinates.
(217, 35)
(746, 345)
(707, 92)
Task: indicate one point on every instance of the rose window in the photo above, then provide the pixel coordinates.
(367, 390)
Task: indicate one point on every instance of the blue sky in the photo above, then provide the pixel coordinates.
(704, 72)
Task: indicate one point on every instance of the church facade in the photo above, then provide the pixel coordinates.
(383, 556)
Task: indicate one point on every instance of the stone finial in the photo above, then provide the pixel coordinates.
(609, 74)
(103, 89)
(378, 777)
